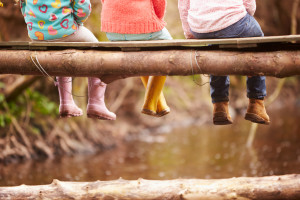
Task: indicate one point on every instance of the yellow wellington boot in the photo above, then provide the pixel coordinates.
(162, 107)
(153, 91)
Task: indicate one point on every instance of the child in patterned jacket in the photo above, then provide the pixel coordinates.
(62, 21)
(209, 19)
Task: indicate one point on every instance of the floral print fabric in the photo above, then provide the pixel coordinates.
(53, 19)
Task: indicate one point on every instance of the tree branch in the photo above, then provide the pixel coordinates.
(267, 188)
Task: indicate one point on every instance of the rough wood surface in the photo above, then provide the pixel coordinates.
(158, 43)
(243, 188)
(119, 64)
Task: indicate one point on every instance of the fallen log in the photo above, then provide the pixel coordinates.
(118, 64)
(243, 188)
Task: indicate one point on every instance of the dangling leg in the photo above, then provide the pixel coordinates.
(153, 91)
(256, 91)
(162, 107)
(67, 107)
(96, 106)
(219, 91)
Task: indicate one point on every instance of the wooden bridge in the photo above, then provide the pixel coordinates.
(271, 56)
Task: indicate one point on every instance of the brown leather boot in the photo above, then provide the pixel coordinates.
(256, 112)
(220, 113)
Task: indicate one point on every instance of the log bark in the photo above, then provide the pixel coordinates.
(117, 64)
(243, 188)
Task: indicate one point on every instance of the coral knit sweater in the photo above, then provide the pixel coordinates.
(205, 16)
(132, 16)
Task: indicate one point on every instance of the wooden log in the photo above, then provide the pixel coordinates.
(243, 188)
(165, 62)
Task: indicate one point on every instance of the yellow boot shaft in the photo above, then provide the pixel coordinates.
(155, 103)
(162, 106)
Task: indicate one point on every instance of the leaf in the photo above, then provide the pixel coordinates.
(2, 85)
(2, 121)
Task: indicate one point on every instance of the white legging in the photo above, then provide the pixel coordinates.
(81, 35)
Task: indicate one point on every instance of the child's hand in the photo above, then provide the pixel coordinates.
(189, 35)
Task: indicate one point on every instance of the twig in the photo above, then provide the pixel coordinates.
(276, 93)
(3, 76)
(22, 133)
(294, 17)
(270, 100)
(119, 100)
(28, 110)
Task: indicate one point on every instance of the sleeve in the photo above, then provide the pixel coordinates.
(23, 5)
(250, 6)
(183, 7)
(82, 10)
(159, 8)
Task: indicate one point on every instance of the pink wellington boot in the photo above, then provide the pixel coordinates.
(96, 106)
(67, 107)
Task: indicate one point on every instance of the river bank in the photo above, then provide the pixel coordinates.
(46, 136)
(189, 152)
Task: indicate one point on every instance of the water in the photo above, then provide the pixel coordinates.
(195, 152)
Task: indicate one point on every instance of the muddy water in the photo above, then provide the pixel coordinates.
(195, 152)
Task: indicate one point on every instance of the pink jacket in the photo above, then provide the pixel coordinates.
(132, 16)
(205, 16)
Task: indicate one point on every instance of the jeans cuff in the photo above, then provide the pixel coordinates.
(216, 100)
(256, 95)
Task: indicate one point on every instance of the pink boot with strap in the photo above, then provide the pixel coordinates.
(96, 106)
(67, 107)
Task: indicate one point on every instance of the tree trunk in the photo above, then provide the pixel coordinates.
(13, 91)
(243, 188)
(117, 64)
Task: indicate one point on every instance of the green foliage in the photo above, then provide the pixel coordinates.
(2, 85)
(39, 104)
(4, 116)
(5, 119)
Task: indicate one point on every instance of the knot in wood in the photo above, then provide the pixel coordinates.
(172, 59)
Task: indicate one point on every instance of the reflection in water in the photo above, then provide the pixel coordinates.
(198, 152)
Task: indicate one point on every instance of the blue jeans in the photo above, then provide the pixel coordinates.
(219, 85)
(159, 35)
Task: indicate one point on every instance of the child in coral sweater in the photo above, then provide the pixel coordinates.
(62, 21)
(208, 19)
(128, 20)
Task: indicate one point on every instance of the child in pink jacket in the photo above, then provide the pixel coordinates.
(129, 20)
(209, 19)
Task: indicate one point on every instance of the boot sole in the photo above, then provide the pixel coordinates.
(256, 119)
(67, 115)
(93, 116)
(221, 119)
(148, 112)
(163, 112)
